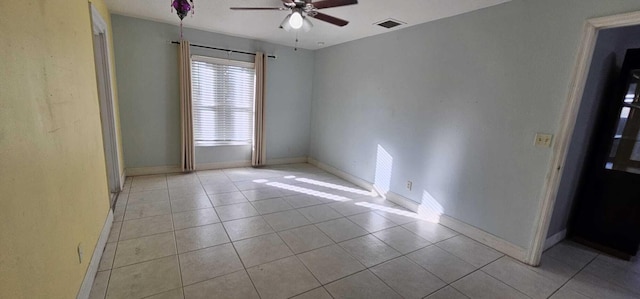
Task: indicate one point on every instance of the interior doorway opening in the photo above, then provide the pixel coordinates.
(105, 97)
(548, 231)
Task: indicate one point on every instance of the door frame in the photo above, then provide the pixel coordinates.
(569, 117)
(105, 97)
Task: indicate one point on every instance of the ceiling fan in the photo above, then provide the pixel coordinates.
(300, 9)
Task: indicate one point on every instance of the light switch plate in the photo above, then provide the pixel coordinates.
(543, 140)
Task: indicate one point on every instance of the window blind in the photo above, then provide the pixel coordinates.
(223, 95)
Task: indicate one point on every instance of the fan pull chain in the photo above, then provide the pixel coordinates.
(296, 47)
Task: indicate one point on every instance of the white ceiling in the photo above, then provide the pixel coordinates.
(215, 16)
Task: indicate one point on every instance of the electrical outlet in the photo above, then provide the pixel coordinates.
(543, 140)
(80, 253)
(409, 185)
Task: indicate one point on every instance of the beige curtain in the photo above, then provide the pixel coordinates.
(186, 111)
(258, 155)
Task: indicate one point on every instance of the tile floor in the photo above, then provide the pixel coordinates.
(295, 231)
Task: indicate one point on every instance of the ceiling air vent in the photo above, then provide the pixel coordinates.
(390, 23)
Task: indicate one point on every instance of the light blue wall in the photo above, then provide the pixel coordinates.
(146, 68)
(607, 61)
(456, 103)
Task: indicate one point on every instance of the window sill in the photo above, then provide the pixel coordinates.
(222, 144)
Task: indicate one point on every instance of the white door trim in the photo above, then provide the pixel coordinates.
(569, 116)
(105, 95)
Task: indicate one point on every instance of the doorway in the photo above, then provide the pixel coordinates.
(606, 209)
(561, 155)
(105, 97)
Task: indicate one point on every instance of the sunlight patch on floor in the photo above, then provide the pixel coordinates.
(398, 211)
(308, 191)
(336, 187)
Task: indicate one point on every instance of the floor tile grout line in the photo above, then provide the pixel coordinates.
(392, 288)
(505, 283)
(118, 241)
(261, 214)
(175, 241)
(144, 236)
(297, 209)
(459, 291)
(311, 290)
(316, 225)
(291, 227)
(618, 269)
(149, 260)
(296, 254)
(267, 188)
(514, 287)
(443, 287)
(407, 256)
(299, 261)
(236, 251)
(365, 267)
(459, 257)
(108, 281)
(474, 271)
(283, 197)
(349, 275)
(567, 264)
(117, 244)
(145, 297)
(216, 277)
(574, 275)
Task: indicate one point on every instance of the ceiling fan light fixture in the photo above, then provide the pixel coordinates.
(306, 25)
(296, 20)
(285, 23)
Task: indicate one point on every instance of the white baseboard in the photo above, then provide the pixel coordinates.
(343, 175)
(223, 165)
(123, 178)
(485, 238)
(90, 275)
(447, 221)
(402, 201)
(137, 171)
(287, 161)
(466, 229)
(555, 239)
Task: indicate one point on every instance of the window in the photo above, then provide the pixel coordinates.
(223, 95)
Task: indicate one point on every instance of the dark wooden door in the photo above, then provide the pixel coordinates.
(607, 213)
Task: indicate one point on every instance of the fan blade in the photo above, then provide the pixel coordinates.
(329, 19)
(333, 3)
(287, 1)
(258, 8)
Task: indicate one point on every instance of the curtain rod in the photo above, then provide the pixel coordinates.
(225, 50)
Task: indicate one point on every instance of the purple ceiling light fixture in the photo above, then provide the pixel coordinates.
(182, 7)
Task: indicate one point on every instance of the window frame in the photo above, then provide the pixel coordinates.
(227, 62)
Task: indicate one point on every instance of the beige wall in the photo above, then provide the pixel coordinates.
(53, 187)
